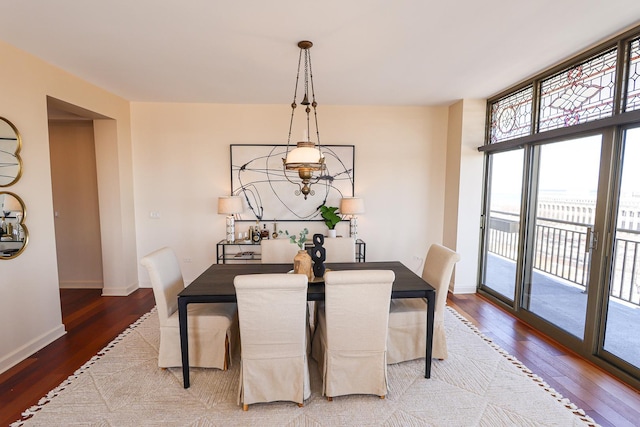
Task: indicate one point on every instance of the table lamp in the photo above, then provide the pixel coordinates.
(352, 206)
(230, 205)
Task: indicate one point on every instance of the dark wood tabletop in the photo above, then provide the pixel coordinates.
(217, 280)
(216, 285)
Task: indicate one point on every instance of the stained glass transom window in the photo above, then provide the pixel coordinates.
(633, 85)
(511, 116)
(582, 93)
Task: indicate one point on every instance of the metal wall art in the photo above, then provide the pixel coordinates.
(258, 176)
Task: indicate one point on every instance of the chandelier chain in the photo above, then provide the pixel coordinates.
(293, 103)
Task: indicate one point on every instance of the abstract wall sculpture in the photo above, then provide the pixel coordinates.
(258, 176)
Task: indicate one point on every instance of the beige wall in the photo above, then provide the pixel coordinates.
(29, 295)
(75, 203)
(174, 158)
(463, 200)
(181, 166)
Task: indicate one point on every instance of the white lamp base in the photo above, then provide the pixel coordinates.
(353, 227)
(231, 229)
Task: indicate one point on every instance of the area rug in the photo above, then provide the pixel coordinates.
(478, 385)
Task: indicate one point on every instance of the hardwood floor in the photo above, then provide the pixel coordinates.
(607, 400)
(93, 321)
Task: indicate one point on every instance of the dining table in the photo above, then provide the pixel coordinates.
(215, 285)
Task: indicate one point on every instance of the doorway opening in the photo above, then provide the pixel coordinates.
(75, 195)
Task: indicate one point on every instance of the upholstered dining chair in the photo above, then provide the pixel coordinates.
(340, 249)
(351, 334)
(278, 251)
(272, 312)
(408, 317)
(212, 328)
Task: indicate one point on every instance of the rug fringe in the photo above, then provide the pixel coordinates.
(580, 413)
(64, 384)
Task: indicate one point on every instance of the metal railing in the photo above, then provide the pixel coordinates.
(560, 251)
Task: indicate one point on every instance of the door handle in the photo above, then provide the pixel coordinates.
(591, 242)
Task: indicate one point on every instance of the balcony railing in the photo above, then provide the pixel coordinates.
(561, 251)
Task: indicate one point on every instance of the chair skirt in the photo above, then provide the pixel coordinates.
(209, 328)
(406, 339)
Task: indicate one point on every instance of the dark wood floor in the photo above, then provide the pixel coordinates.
(603, 397)
(93, 321)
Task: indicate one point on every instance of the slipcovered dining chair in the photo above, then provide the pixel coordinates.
(408, 316)
(212, 328)
(340, 249)
(351, 334)
(278, 251)
(282, 251)
(272, 312)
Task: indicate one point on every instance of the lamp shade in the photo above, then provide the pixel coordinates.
(229, 205)
(351, 206)
(302, 156)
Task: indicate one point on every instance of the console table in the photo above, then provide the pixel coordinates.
(245, 251)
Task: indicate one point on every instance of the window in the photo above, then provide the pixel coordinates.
(580, 94)
(567, 203)
(633, 84)
(511, 116)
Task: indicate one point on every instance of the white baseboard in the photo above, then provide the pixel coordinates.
(145, 284)
(463, 289)
(119, 292)
(31, 347)
(79, 284)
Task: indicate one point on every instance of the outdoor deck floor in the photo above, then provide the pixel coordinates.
(564, 305)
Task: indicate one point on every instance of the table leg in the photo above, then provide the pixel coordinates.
(431, 305)
(184, 343)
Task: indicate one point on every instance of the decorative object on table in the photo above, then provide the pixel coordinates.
(302, 260)
(264, 234)
(306, 159)
(352, 206)
(274, 235)
(318, 255)
(331, 218)
(256, 235)
(230, 206)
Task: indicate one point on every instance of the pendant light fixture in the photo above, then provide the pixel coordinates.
(307, 158)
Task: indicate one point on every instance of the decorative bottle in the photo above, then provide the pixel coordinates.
(264, 234)
(256, 233)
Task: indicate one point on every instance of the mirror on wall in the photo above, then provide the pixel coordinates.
(10, 161)
(14, 235)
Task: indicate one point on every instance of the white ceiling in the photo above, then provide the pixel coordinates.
(367, 52)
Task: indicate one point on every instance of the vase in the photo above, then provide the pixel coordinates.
(302, 264)
(331, 233)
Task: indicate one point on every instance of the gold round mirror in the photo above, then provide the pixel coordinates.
(10, 161)
(14, 235)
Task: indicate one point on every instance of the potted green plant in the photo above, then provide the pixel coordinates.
(300, 241)
(302, 261)
(331, 218)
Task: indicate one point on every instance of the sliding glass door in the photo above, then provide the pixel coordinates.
(562, 232)
(561, 240)
(621, 337)
(502, 223)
